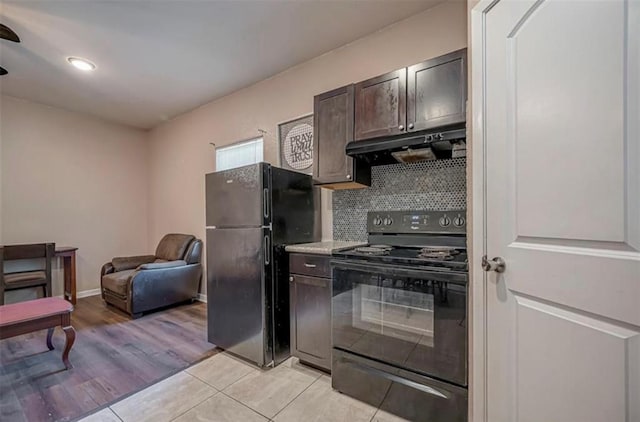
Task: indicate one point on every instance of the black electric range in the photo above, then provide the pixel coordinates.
(399, 315)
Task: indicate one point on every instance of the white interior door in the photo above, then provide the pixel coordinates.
(558, 135)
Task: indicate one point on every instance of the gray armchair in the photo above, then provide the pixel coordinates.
(138, 284)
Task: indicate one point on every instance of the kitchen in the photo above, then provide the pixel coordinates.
(483, 377)
(382, 307)
(531, 324)
(420, 242)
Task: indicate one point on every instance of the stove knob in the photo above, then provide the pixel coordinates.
(445, 221)
(377, 221)
(388, 221)
(458, 221)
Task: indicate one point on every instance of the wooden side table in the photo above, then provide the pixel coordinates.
(68, 255)
(33, 315)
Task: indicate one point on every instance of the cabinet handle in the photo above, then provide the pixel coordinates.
(401, 127)
(267, 251)
(348, 176)
(410, 125)
(290, 278)
(265, 202)
(309, 265)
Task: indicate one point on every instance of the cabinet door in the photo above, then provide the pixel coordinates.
(311, 319)
(333, 129)
(437, 91)
(381, 105)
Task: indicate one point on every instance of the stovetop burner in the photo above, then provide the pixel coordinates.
(443, 249)
(374, 249)
(445, 253)
(445, 256)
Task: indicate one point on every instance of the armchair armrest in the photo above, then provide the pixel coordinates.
(162, 265)
(106, 269)
(123, 263)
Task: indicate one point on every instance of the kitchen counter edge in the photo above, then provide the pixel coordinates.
(323, 248)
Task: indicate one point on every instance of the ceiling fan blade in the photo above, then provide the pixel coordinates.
(3, 71)
(8, 34)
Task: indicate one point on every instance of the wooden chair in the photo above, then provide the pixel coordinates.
(26, 279)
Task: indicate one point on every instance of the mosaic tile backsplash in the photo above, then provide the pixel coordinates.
(430, 185)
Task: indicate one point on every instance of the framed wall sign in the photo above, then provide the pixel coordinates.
(296, 144)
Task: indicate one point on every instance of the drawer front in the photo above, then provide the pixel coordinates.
(312, 265)
(405, 394)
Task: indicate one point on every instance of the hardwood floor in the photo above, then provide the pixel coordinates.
(113, 356)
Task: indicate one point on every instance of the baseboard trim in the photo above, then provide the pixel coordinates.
(87, 293)
(202, 298)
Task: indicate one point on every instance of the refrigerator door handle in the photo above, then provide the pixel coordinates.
(267, 251)
(265, 202)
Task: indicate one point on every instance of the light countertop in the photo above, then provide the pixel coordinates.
(323, 248)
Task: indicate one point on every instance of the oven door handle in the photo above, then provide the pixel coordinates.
(453, 277)
(391, 377)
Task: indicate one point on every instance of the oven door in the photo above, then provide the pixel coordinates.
(412, 319)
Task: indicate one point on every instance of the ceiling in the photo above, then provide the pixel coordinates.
(158, 59)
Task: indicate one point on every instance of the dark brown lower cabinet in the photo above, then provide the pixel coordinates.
(310, 307)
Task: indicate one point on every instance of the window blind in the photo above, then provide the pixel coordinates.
(238, 155)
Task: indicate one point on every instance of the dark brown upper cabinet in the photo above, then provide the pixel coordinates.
(437, 92)
(426, 95)
(333, 130)
(381, 106)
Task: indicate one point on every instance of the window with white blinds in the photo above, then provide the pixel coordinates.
(240, 154)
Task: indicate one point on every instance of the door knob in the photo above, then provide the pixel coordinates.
(497, 264)
(410, 125)
(401, 127)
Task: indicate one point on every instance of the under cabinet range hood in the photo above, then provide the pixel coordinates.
(410, 148)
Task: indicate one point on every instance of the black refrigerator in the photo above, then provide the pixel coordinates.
(251, 213)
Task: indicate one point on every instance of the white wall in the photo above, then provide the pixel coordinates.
(180, 150)
(74, 180)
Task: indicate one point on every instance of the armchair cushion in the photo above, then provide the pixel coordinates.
(162, 265)
(118, 282)
(130, 262)
(173, 246)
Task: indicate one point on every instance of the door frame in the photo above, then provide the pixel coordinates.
(478, 340)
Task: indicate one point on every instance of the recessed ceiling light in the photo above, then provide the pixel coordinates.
(82, 64)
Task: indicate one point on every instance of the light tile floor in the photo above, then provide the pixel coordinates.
(224, 388)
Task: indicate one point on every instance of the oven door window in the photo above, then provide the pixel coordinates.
(414, 322)
(393, 312)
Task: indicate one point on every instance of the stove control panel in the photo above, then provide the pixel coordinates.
(403, 222)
